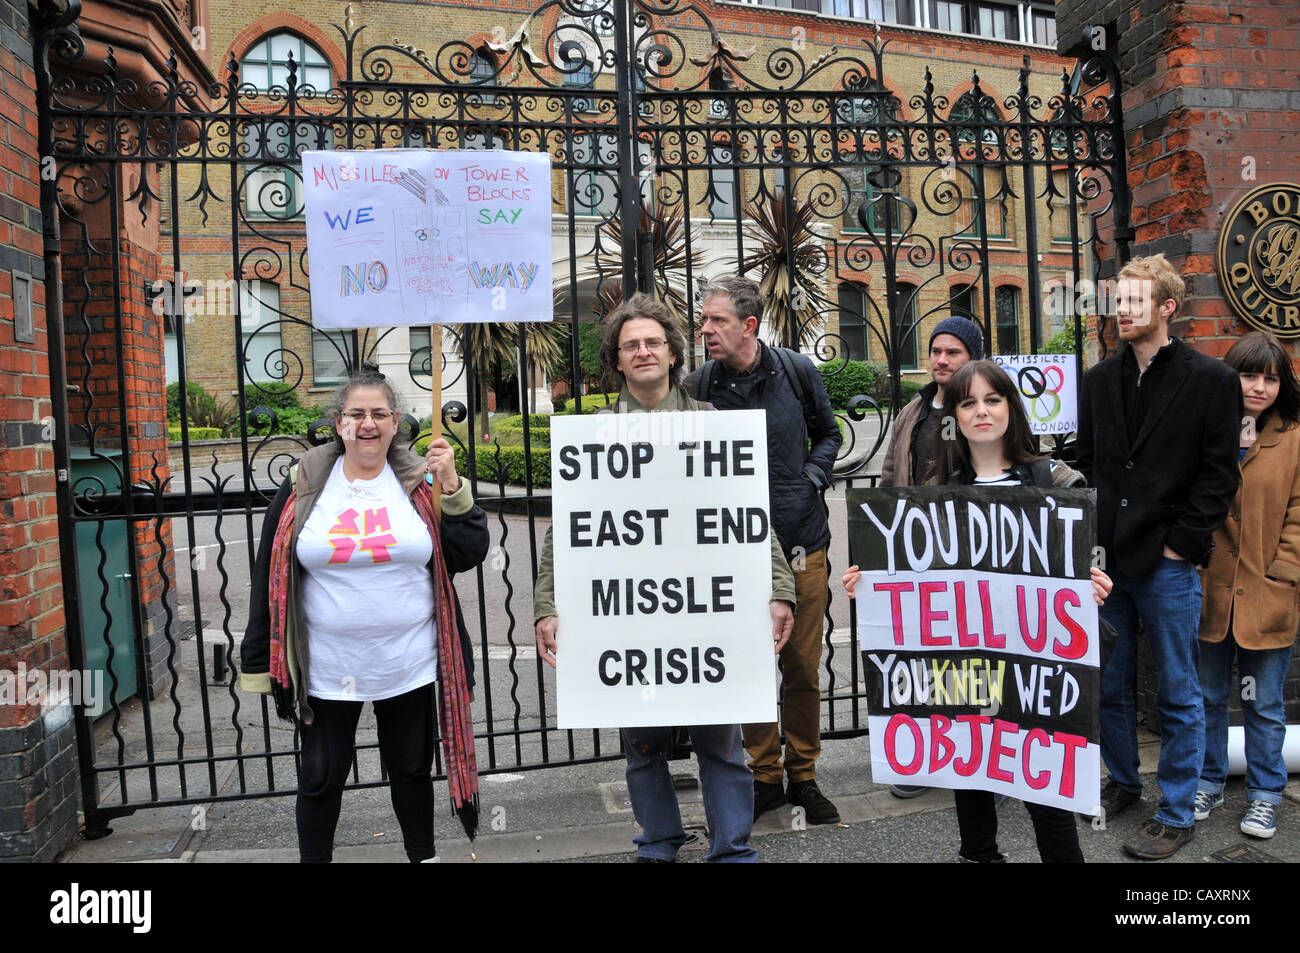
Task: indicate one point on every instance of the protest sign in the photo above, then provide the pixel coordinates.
(416, 236)
(1049, 388)
(978, 632)
(662, 569)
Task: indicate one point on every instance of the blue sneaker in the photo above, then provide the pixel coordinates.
(1259, 820)
(1205, 803)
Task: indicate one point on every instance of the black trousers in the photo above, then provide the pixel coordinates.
(977, 818)
(405, 724)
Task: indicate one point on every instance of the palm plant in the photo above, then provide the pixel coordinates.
(492, 344)
(795, 296)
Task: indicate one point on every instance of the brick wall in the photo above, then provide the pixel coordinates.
(1211, 111)
(39, 782)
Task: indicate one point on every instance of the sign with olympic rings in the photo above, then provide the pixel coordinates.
(1048, 386)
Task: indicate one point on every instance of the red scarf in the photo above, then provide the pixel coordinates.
(454, 718)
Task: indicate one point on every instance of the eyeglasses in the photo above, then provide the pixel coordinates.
(631, 347)
(378, 416)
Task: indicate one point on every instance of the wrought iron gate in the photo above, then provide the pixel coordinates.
(864, 210)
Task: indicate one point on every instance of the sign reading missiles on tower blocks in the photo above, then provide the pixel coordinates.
(663, 569)
(978, 632)
(417, 236)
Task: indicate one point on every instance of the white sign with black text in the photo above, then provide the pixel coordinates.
(662, 569)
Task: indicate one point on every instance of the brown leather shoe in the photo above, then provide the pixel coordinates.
(1157, 842)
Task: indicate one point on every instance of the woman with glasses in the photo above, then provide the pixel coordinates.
(352, 602)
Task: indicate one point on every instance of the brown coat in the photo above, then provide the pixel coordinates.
(1255, 566)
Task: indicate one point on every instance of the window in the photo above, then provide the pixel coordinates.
(483, 70)
(994, 212)
(1059, 206)
(853, 322)
(985, 122)
(720, 108)
(421, 340)
(722, 183)
(581, 78)
(905, 343)
(329, 365)
(259, 325)
(272, 183)
(1007, 304)
(997, 23)
(266, 64)
(171, 353)
(482, 139)
(948, 16)
(1043, 26)
(595, 162)
(962, 298)
(862, 184)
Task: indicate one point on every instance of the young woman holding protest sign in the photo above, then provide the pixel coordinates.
(1250, 608)
(353, 576)
(993, 446)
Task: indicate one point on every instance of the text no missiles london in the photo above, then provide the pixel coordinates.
(979, 639)
(662, 569)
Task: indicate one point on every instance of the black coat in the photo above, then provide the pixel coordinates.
(797, 472)
(1173, 485)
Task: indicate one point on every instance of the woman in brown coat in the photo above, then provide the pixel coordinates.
(1250, 607)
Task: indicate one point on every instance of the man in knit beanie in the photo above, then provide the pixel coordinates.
(954, 342)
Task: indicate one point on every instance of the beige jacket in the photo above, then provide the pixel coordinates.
(1255, 566)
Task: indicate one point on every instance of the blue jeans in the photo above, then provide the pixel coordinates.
(1168, 603)
(1264, 711)
(726, 782)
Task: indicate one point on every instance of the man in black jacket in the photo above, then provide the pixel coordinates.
(746, 374)
(1159, 427)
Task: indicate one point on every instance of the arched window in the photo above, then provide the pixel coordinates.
(266, 64)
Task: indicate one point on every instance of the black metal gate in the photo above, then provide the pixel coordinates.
(864, 211)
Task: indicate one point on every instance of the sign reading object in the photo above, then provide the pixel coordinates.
(663, 569)
(979, 639)
(1258, 260)
(1049, 389)
(416, 236)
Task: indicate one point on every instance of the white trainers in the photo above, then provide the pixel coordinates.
(1259, 821)
(1205, 803)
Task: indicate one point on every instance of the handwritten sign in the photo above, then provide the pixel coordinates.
(1048, 386)
(663, 570)
(416, 236)
(979, 639)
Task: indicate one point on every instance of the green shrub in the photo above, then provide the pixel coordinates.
(1062, 341)
(590, 403)
(196, 433)
(512, 459)
(512, 428)
(193, 391)
(278, 395)
(845, 380)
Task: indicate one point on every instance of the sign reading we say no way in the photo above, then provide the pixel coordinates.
(415, 236)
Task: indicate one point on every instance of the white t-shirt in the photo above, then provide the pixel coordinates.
(366, 591)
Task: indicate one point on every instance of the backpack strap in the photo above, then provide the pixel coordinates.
(1040, 472)
(705, 380)
(797, 372)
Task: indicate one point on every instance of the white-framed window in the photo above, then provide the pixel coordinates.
(259, 325)
(266, 64)
(597, 16)
(421, 341)
(329, 368)
(483, 70)
(722, 203)
(1042, 24)
(581, 78)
